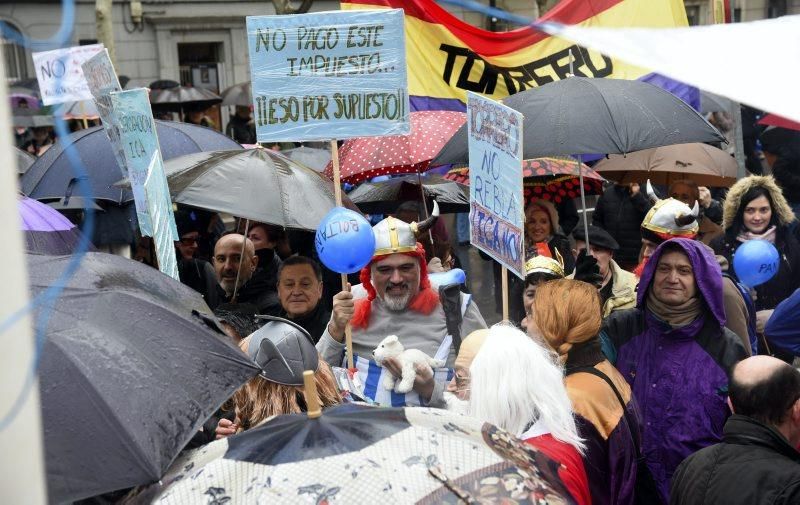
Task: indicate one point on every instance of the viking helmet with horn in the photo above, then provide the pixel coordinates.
(393, 236)
(669, 218)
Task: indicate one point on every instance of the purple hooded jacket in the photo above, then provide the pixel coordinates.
(679, 376)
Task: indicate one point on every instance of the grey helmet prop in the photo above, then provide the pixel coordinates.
(283, 350)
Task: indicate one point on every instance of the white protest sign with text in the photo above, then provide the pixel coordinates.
(159, 206)
(496, 213)
(140, 143)
(329, 75)
(60, 74)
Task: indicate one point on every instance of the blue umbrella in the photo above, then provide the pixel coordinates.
(51, 176)
(783, 327)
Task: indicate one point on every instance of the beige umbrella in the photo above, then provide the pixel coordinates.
(704, 164)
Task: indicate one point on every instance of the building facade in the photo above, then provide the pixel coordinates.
(203, 42)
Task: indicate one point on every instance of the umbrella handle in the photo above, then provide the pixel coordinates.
(313, 409)
(583, 204)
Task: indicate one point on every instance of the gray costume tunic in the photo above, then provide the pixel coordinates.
(414, 330)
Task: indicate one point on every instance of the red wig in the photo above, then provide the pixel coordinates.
(424, 302)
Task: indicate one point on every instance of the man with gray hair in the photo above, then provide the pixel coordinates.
(757, 461)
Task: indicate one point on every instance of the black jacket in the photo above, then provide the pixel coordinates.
(753, 465)
(241, 130)
(260, 291)
(314, 323)
(621, 215)
(784, 283)
(200, 276)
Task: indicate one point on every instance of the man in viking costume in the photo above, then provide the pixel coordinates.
(396, 298)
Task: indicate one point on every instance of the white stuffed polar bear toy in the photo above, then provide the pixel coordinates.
(391, 347)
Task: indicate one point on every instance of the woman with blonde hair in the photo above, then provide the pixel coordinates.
(566, 315)
(283, 351)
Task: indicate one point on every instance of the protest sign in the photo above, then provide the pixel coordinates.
(495, 181)
(102, 81)
(60, 74)
(140, 142)
(159, 206)
(328, 75)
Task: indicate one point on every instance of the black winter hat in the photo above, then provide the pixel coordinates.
(598, 237)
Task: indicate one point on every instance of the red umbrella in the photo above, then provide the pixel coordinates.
(779, 121)
(548, 178)
(367, 157)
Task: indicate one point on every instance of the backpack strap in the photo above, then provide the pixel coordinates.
(594, 371)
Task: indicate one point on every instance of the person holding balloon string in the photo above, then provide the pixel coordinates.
(395, 297)
(756, 216)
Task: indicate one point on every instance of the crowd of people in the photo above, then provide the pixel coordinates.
(639, 361)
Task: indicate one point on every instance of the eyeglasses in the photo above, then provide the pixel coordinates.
(188, 240)
(462, 382)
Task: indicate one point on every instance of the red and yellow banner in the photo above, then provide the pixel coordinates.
(447, 57)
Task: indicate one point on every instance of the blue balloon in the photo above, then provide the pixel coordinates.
(345, 241)
(454, 276)
(755, 262)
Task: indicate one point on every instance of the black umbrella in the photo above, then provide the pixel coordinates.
(238, 94)
(709, 102)
(383, 197)
(24, 160)
(257, 184)
(183, 98)
(162, 84)
(52, 176)
(581, 115)
(129, 372)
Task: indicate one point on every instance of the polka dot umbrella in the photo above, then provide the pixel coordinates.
(367, 157)
(554, 179)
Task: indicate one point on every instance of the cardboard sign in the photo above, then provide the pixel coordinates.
(329, 75)
(497, 210)
(102, 81)
(60, 74)
(140, 144)
(159, 206)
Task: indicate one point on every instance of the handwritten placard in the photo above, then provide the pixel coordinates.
(60, 74)
(329, 75)
(159, 206)
(102, 81)
(495, 188)
(140, 143)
